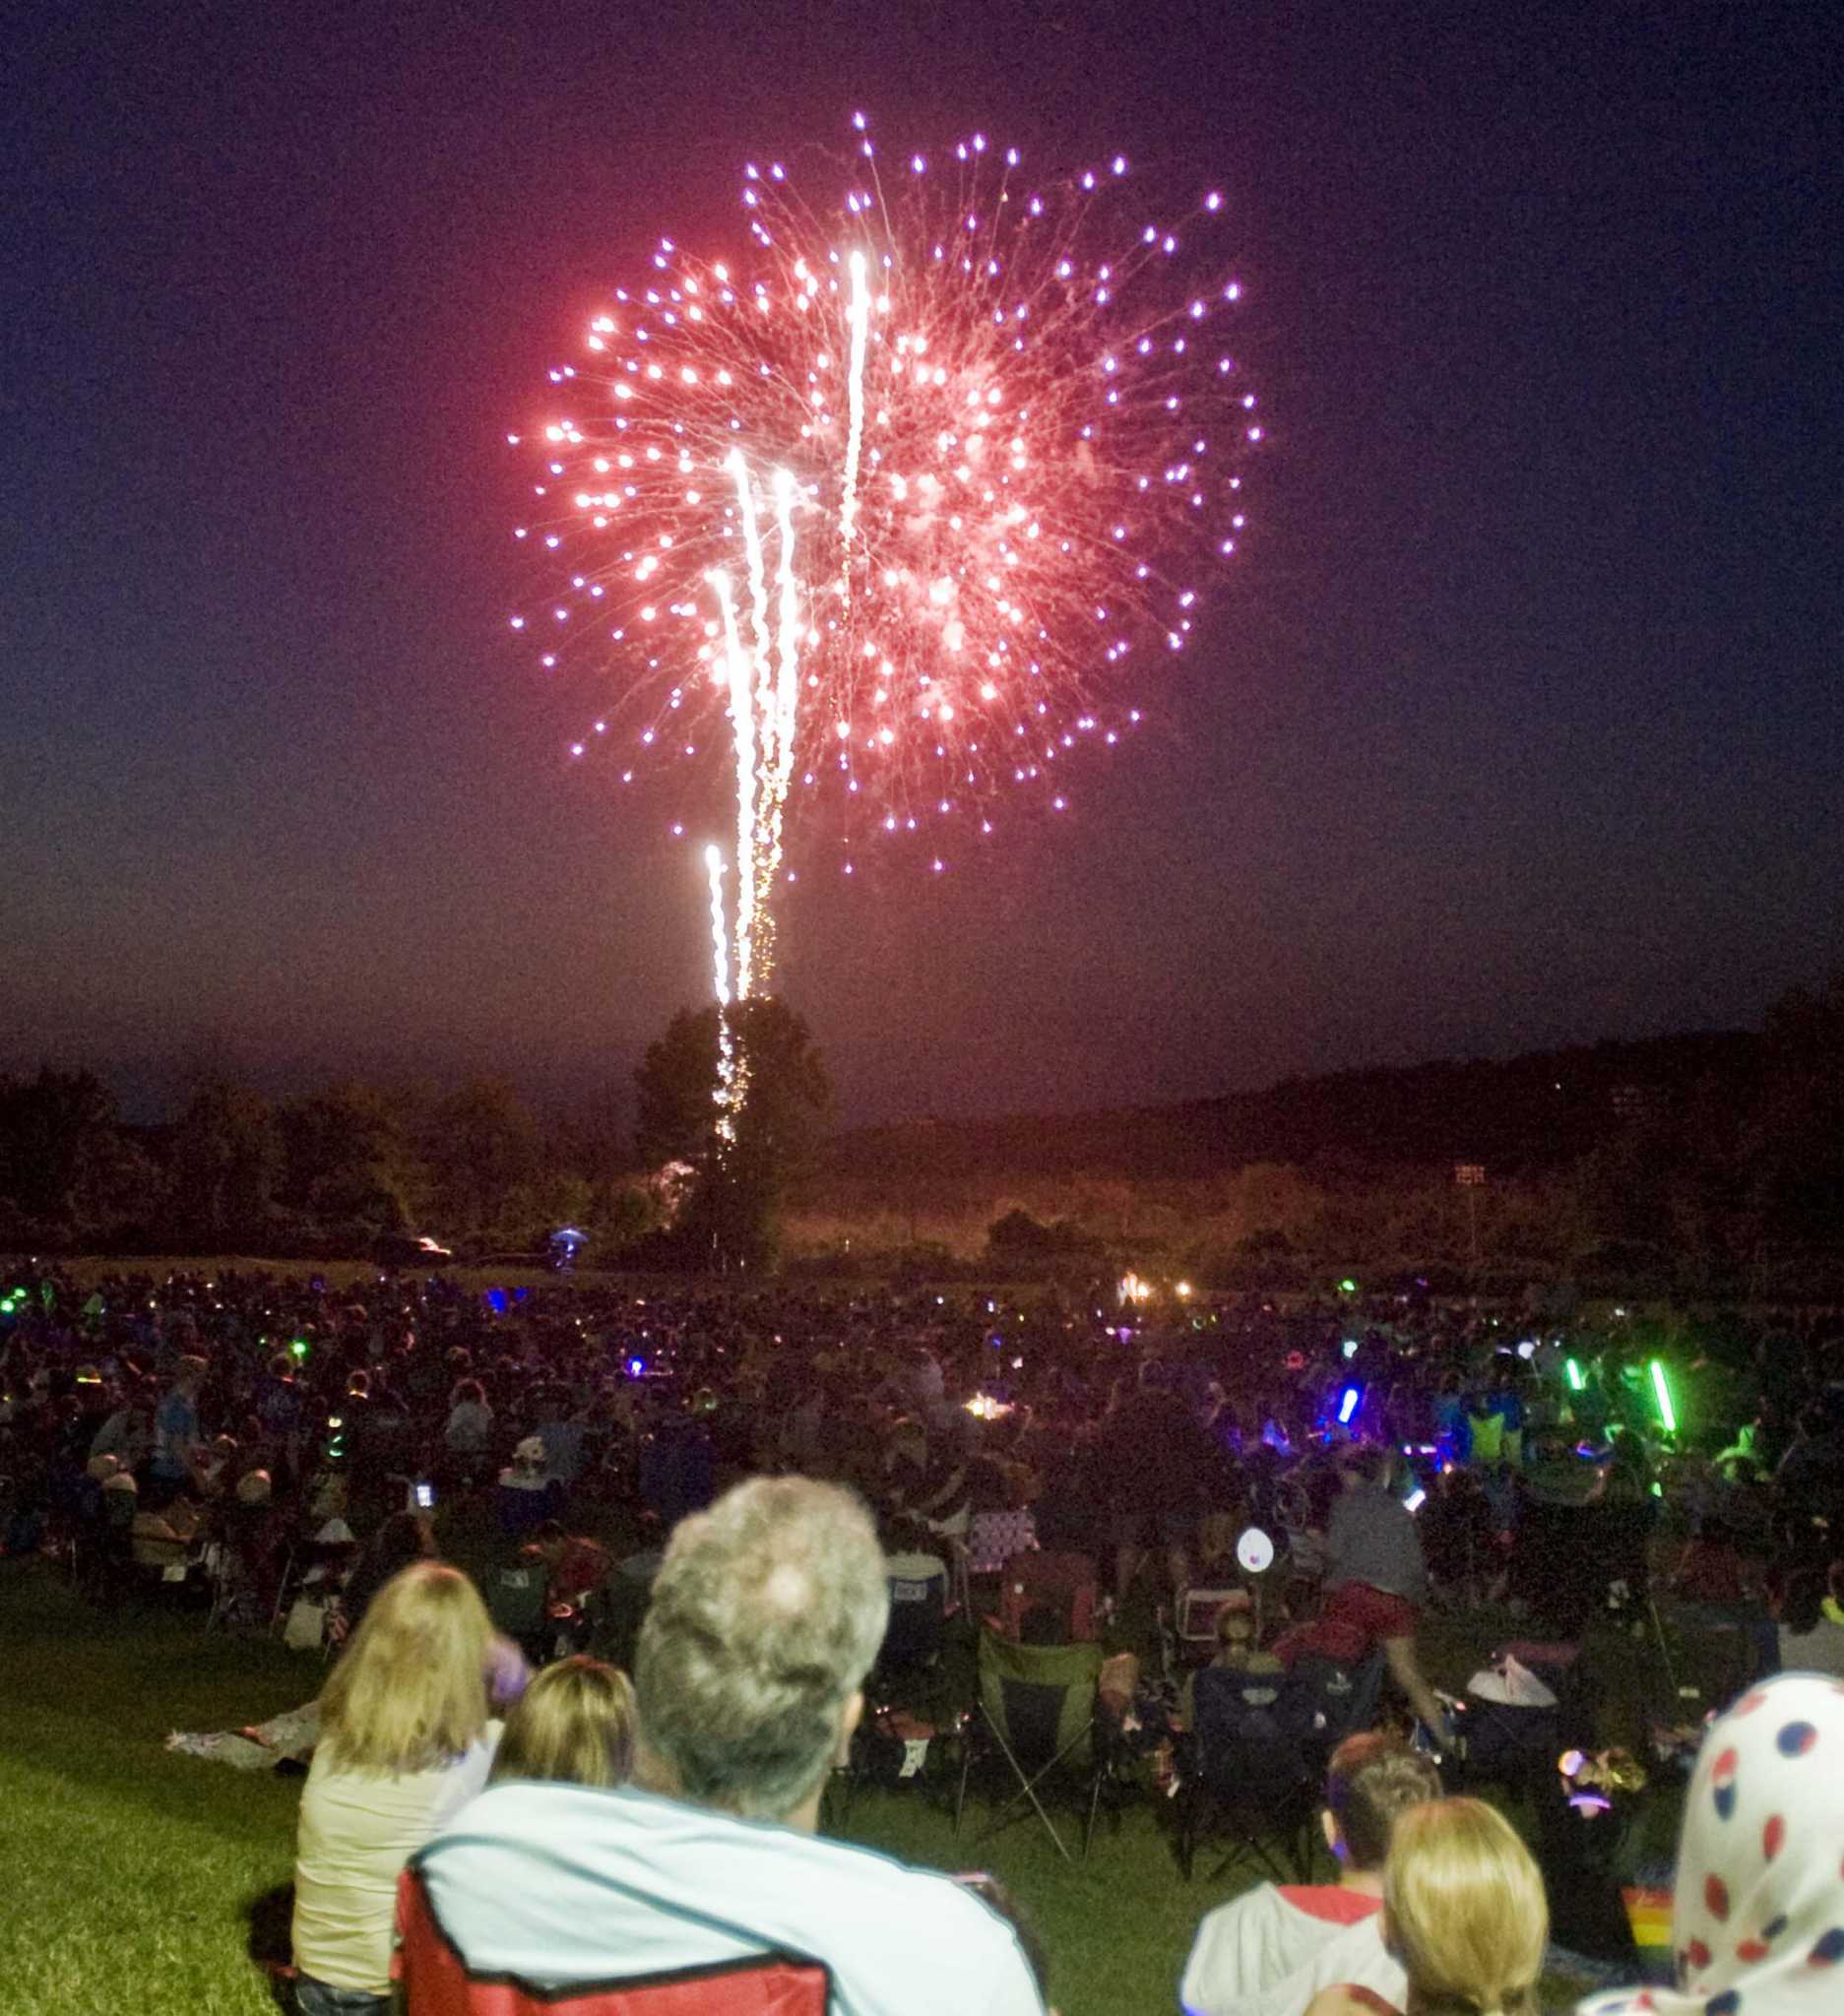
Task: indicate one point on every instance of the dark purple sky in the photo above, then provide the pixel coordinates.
(1519, 723)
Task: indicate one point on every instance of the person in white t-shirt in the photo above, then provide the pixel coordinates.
(405, 1741)
(766, 1615)
(1269, 1951)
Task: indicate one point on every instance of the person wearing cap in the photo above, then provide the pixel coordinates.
(528, 1493)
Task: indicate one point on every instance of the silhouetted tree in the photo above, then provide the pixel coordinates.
(732, 1213)
(1796, 1144)
(789, 1094)
(486, 1158)
(60, 1147)
(226, 1157)
(350, 1160)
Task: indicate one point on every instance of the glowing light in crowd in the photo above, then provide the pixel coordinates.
(1134, 1289)
(1667, 1413)
(1348, 1403)
(1572, 1367)
(1005, 420)
(986, 1409)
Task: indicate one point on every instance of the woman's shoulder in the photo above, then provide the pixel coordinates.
(1349, 1999)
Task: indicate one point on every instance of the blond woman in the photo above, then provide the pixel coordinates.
(1465, 1914)
(405, 1741)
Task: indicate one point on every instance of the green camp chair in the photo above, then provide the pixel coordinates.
(1038, 1707)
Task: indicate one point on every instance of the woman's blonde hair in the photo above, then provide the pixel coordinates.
(575, 1722)
(1464, 1911)
(409, 1692)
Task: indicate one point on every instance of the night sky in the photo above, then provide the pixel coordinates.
(1516, 720)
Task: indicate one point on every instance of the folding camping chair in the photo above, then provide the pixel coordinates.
(1245, 1772)
(917, 1619)
(891, 1747)
(1038, 1705)
(1324, 1700)
(617, 1606)
(232, 1587)
(517, 1596)
(434, 1980)
(1064, 1583)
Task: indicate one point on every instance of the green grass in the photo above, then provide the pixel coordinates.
(129, 1873)
(129, 1876)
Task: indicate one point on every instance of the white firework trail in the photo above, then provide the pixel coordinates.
(764, 706)
(858, 315)
(725, 1092)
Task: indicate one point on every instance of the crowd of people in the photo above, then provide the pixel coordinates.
(779, 1482)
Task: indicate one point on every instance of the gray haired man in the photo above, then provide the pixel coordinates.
(766, 1615)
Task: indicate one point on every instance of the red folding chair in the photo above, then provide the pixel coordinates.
(1064, 1583)
(436, 1981)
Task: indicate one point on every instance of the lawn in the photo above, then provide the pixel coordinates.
(130, 1878)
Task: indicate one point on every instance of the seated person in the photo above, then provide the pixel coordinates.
(575, 1565)
(1261, 1672)
(1216, 1566)
(1269, 1951)
(1464, 1910)
(766, 1615)
(528, 1493)
(405, 1740)
(574, 1725)
(467, 1433)
(254, 1529)
(563, 1430)
(162, 1535)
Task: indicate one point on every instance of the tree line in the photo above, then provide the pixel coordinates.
(1704, 1164)
(331, 1171)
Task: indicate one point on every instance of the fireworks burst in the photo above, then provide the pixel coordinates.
(889, 511)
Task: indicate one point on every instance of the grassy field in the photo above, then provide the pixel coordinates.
(131, 1876)
(134, 1878)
